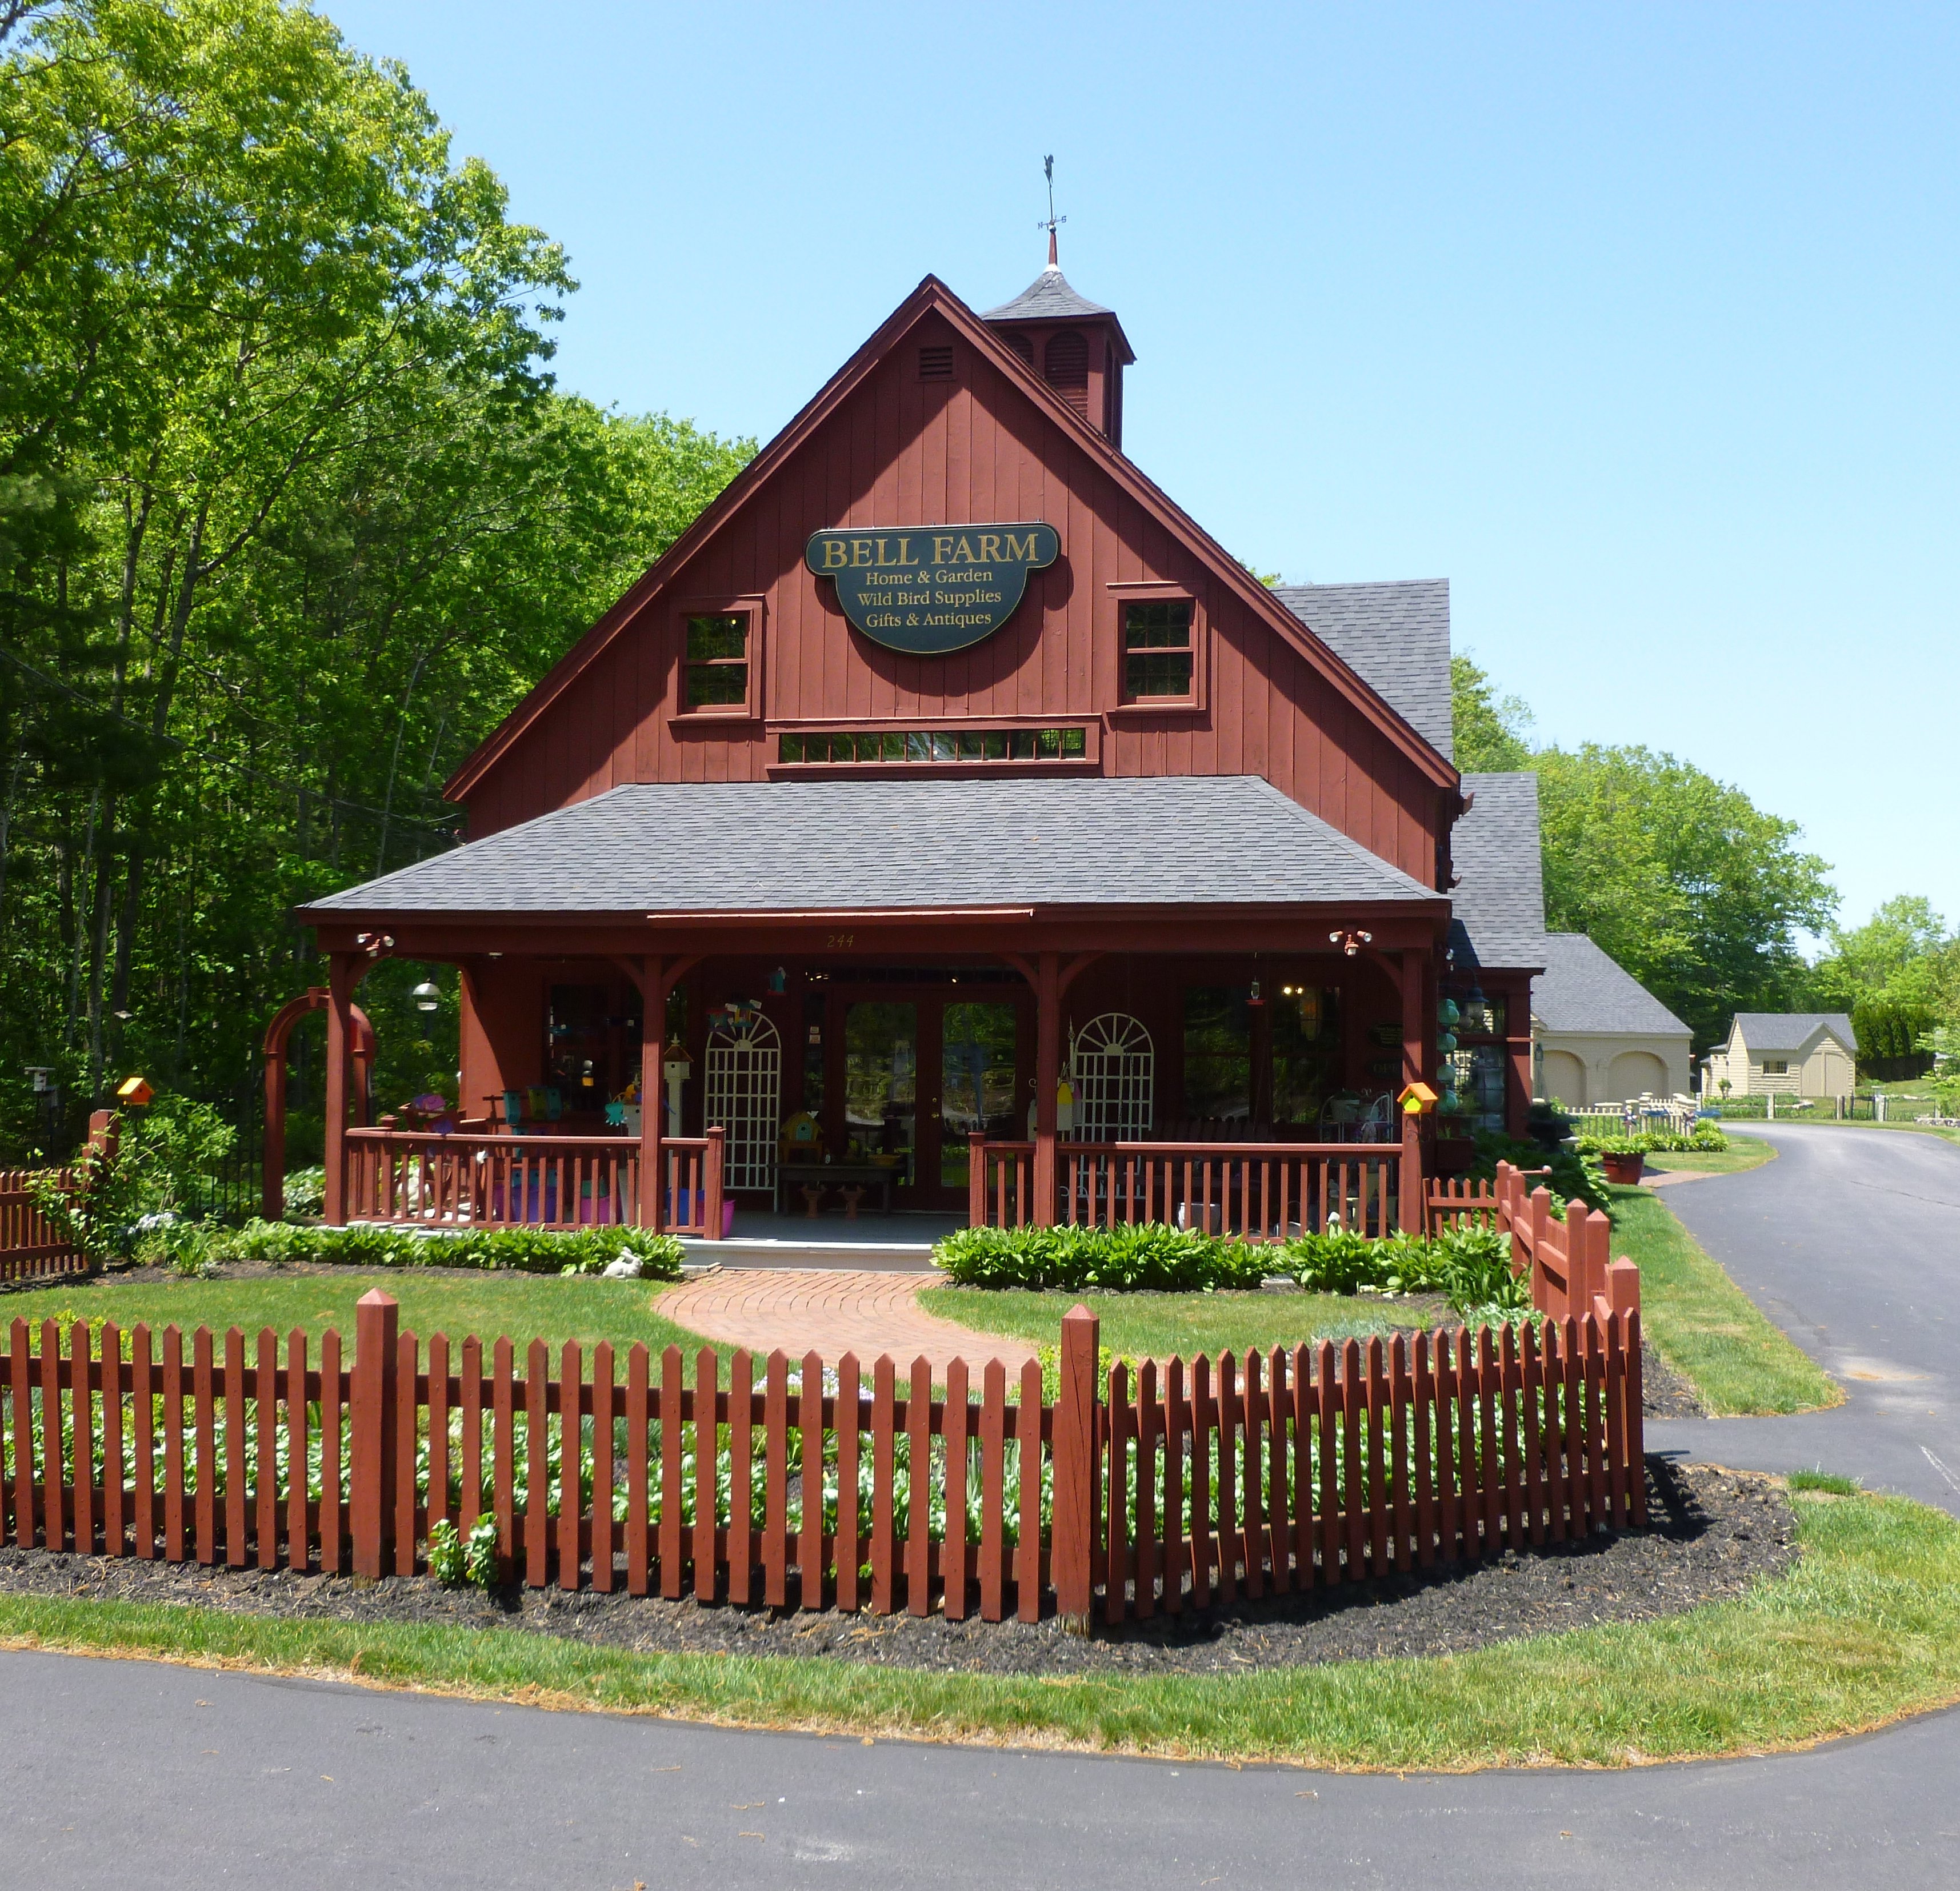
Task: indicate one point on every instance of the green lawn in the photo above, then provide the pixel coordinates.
(1743, 1152)
(1864, 1630)
(524, 1306)
(1154, 1326)
(1704, 1325)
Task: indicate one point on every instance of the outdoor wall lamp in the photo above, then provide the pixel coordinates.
(1350, 943)
(427, 997)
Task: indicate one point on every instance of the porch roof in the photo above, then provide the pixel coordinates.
(901, 845)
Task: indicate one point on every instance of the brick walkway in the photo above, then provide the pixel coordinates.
(831, 1314)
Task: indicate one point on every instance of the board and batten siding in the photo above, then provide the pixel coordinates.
(900, 451)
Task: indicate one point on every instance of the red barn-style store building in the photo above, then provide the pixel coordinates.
(948, 821)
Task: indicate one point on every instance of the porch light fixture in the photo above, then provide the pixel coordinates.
(375, 944)
(427, 997)
(1350, 943)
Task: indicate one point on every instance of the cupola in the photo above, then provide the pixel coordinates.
(1076, 346)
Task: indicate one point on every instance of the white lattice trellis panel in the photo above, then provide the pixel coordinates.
(1112, 1068)
(744, 1079)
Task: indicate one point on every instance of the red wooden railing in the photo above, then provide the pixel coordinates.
(464, 1180)
(1283, 1471)
(1250, 1191)
(30, 1244)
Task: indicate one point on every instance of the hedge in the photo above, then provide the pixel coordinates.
(1706, 1140)
(522, 1250)
(1471, 1266)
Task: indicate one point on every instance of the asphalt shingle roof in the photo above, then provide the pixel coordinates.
(1585, 988)
(1396, 636)
(869, 844)
(1775, 1032)
(1048, 297)
(1499, 900)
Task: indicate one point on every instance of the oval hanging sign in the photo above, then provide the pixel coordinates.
(927, 589)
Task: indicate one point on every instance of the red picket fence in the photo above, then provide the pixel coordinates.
(469, 1179)
(30, 1244)
(1250, 1191)
(1293, 1469)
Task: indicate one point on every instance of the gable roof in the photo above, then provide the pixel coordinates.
(1499, 899)
(910, 845)
(1585, 988)
(1773, 1033)
(1396, 635)
(932, 297)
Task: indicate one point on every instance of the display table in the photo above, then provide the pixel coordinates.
(793, 1178)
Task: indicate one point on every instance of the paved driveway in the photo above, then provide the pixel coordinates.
(128, 1773)
(1850, 1241)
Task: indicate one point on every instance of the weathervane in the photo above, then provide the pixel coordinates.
(1051, 221)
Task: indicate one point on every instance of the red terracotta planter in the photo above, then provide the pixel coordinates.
(1624, 1169)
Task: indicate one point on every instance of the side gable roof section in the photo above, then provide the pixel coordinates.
(1775, 1033)
(932, 296)
(916, 845)
(1584, 988)
(1499, 899)
(1396, 635)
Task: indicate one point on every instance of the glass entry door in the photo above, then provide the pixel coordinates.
(919, 1076)
(977, 1086)
(881, 1044)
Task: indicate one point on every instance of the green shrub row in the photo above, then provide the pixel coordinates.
(526, 1250)
(1471, 1266)
(1707, 1139)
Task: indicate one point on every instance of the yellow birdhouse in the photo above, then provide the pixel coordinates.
(133, 1091)
(1416, 1097)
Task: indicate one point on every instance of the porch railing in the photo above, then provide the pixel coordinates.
(489, 1180)
(1251, 1191)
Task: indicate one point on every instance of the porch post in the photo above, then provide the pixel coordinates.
(1415, 968)
(340, 982)
(653, 1093)
(1047, 1075)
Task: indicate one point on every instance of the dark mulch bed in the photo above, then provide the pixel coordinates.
(1664, 1393)
(1713, 1533)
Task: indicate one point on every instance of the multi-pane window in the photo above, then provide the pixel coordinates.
(1306, 1047)
(936, 744)
(1157, 653)
(717, 660)
(1217, 1052)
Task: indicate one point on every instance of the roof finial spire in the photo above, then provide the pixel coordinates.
(1051, 221)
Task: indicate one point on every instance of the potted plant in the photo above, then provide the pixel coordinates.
(1623, 1157)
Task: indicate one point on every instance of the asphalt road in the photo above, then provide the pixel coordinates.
(136, 1773)
(129, 1773)
(1850, 1241)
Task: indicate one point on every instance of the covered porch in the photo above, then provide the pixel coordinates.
(1202, 1012)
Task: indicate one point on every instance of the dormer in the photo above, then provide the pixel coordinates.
(1076, 346)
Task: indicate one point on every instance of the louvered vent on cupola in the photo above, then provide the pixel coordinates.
(935, 362)
(1022, 346)
(1066, 365)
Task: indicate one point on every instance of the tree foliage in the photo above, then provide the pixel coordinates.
(290, 512)
(1694, 889)
(1491, 733)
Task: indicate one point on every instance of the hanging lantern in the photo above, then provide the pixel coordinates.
(427, 997)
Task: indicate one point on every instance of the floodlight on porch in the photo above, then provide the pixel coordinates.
(1351, 942)
(427, 997)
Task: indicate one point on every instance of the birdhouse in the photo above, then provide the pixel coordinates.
(1416, 1098)
(134, 1092)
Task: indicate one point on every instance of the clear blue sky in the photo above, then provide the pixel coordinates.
(1636, 322)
